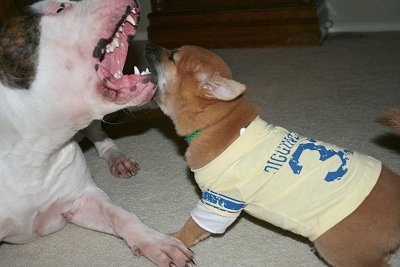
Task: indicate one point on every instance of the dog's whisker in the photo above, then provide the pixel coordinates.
(103, 120)
(128, 111)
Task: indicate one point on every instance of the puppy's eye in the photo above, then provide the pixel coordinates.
(171, 55)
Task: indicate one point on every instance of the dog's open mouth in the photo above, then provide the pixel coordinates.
(112, 55)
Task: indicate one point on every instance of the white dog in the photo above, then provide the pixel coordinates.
(60, 69)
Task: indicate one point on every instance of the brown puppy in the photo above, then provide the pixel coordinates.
(243, 163)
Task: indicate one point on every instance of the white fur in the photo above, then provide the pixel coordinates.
(44, 181)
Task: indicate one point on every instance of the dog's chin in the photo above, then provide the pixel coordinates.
(136, 95)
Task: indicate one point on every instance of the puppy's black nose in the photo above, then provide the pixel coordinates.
(153, 53)
(153, 56)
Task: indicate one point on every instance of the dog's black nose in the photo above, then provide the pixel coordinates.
(153, 53)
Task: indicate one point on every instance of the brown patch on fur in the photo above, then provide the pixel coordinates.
(19, 41)
(391, 119)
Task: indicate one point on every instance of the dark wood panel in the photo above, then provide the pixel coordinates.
(175, 5)
(280, 24)
(232, 17)
(12, 8)
(243, 36)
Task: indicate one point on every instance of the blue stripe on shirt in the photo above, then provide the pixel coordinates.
(222, 202)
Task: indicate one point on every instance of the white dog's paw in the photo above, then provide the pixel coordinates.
(165, 251)
(123, 166)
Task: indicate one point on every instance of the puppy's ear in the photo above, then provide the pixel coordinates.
(222, 88)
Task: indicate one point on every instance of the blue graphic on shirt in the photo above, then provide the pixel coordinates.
(325, 154)
(222, 202)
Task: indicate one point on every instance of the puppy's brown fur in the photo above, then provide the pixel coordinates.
(197, 91)
(391, 119)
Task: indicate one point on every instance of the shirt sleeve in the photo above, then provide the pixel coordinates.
(211, 221)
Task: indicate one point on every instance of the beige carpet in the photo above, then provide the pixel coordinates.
(333, 92)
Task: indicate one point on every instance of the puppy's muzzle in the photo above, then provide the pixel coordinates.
(153, 56)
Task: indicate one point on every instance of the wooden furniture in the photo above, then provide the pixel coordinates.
(234, 23)
(11, 8)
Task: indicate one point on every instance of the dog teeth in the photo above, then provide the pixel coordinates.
(110, 48)
(137, 71)
(118, 75)
(145, 72)
(115, 42)
(131, 20)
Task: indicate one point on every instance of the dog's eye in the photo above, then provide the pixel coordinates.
(171, 55)
(61, 8)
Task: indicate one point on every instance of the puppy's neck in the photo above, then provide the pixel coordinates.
(191, 136)
(215, 138)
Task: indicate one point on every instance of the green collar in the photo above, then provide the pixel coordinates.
(190, 137)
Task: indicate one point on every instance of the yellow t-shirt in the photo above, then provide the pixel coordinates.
(291, 181)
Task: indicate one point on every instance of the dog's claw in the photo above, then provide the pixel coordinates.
(163, 250)
(190, 264)
(137, 252)
(123, 167)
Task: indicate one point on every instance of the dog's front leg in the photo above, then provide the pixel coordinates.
(191, 233)
(120, 165)
(95, 211)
